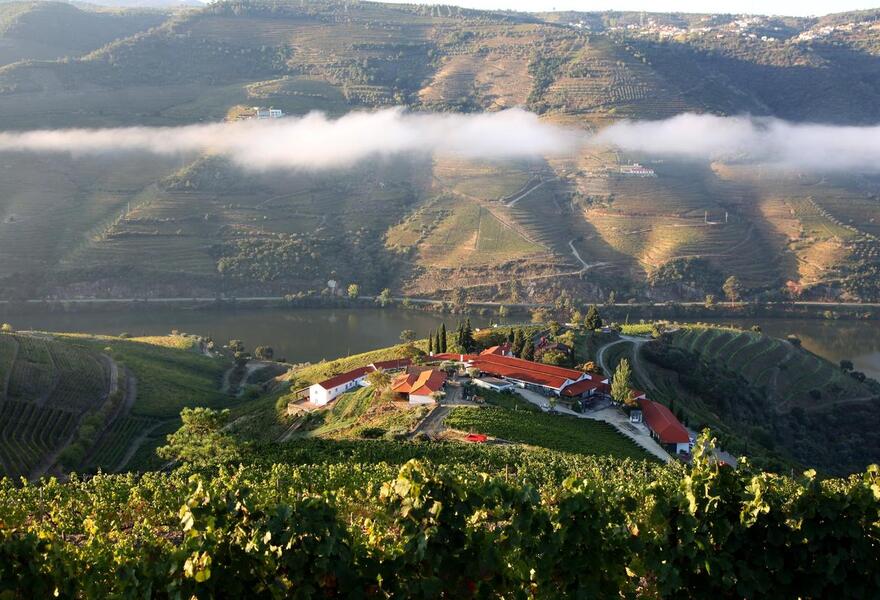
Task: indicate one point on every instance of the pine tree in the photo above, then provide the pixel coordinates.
(592, 321)
(528, 352)
(430, 342)
(442, 337)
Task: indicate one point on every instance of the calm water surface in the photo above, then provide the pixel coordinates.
(300, 335)
(312, 334)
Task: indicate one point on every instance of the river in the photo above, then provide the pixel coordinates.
(299, 335)
(311, 334)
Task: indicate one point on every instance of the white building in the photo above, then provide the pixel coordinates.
(493, 383)
(325, 391)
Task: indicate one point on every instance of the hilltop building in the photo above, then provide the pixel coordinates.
(262, 114)
(637, 170)
(419, 388)
(324, 391)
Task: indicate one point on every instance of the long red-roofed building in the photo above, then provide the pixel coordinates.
(528, 374)
(665, 428)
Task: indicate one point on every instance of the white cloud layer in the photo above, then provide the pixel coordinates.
(772, 142)
(317, 142)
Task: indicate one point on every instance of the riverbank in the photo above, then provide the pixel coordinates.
(622, 312)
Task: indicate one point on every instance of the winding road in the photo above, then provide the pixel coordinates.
(636, 363)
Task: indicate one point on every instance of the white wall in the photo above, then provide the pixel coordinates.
(320, 396)
(414, 399)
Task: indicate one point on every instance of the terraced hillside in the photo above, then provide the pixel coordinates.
(785, 373)
(193, 226)
(767, 397)
(47, 389)
(51, 30)
(72, 402)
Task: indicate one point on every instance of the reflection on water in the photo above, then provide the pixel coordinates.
(299, 335)
(312, 334)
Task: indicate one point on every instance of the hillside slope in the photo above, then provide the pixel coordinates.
(38, 30)
(198, 226)
(71, 402)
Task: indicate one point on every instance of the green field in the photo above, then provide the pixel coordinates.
(563, 434)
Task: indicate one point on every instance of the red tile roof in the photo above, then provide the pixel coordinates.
(338, 380)
(453, 356)
(663, 423)
(499, 350)
(582, 386)
(526, 370)
(396, 363)
(420, 384)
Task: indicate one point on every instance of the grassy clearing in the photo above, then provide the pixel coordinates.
(169, 379)
(564, 434)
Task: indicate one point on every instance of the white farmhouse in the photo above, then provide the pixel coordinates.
(323, 392)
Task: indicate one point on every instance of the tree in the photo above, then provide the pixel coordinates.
(589, 367)
(519, 342)
(430, 342)
(473, 372)
(458, 299)
(465, 337)
(235, 346)
(354, 291)
(380, 379)
(540, 315)
(6, 328)
(554, 357)
(709, 302)
(384, 298)
(443, 337)
(846, 364)
(514, 291)
(528, 352)
(612, 298)
(593, 320)
(264, 352)
(620, 384)
(407, 336)
(438, 343)
(201, 441)
(554, 327)
(732, 288)
(502, 311)
(553, 401)
(448, 366)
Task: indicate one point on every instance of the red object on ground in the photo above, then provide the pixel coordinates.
(477, 438)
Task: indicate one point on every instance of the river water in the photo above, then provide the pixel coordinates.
(310, 334)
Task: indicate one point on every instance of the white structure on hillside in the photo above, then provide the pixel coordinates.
(261, 113)
(324, 391)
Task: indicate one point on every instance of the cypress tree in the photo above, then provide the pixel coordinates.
(518, 343)
(442, 337)
(528, 352)
(430, 342)
(593, 320)
(467, 337)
